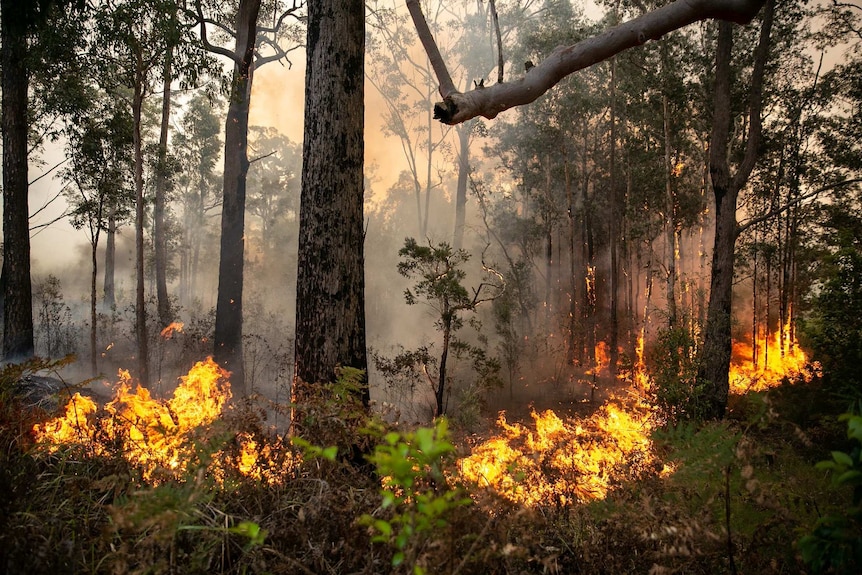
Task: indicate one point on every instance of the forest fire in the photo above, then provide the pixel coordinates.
(174, 326)
(155, 435)
(563, 461)
(767, 362)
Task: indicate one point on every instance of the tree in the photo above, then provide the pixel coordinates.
(439, 276)
(99, 145)
(249, 36)
(715, 355)
(330, 294)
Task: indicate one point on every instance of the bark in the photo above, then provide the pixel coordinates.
(614, 231)
(461, 188)
(715, 358)
(228, 324)
(140, 301)
(670, 221)
(17, 289)
(160, 239)
(489, 101)
(94, 261)
(330, 308)
(110, 258)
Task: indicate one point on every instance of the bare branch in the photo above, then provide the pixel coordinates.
(742, 228)
(262, 157)
(459, 107)
(212, 47)
(447, 87)
(496, 19)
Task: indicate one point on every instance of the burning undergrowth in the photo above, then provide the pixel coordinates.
(559, 462)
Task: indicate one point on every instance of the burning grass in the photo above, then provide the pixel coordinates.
(184, 485)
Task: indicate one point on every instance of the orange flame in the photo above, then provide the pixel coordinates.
(174, 326)
(154, 434)
(778, 356)
(562, 461)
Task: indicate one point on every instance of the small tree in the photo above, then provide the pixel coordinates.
(439, 274)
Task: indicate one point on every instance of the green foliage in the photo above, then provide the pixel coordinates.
(835, 544)
(415, 491)
(833, 329)
(675, 391)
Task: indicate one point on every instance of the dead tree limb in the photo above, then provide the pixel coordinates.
(488, 101)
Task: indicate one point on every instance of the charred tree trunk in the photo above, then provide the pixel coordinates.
(228, 324)
(18, 340)
(715, 359)
(330, 294)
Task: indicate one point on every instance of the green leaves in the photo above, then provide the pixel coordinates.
(414, 488)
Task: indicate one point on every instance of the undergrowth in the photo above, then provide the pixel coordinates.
(354, 495)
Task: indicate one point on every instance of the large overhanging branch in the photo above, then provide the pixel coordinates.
(458, 107)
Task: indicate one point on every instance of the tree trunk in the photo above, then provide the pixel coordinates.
(614, 231)
(110, 256)
(228, 323)
(160, 240)
(140, 301)
(670, 220)
(461, 189)
(330, 294)
(715, 359)
(94, 353)
(17, 290)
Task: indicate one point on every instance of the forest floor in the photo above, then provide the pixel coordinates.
(567, 495)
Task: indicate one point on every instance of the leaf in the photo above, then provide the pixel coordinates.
(383, 526)
(398, 559)
(329, 453)
(842, 458)
(850, 476)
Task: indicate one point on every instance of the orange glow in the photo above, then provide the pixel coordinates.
(641, 377)
(602, 359)
(562, 461)
(175, 326)
(155, 435)
(778, 357)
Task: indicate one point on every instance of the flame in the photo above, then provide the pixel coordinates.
(174, 326)
(778, 357)
(601, 357)
(562, 461)
(154, 434)
(641, 377)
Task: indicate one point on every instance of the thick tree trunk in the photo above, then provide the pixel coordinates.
(160, 239)
(228, 324)
(17, 290)
(715, 358)
(140, 300)
(330, 306)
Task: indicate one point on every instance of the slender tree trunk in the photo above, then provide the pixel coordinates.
(18, 340)
(140, 300)
(110, 257)
(715, 360)
(670, 222)
(160, 240)
(441, 382)
(330, 300)
(94, 353)
(461, 188)
(614, 231)
(228, 325)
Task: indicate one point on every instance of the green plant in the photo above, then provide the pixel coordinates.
(414, 490)
(835, 544)
(675, 391)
